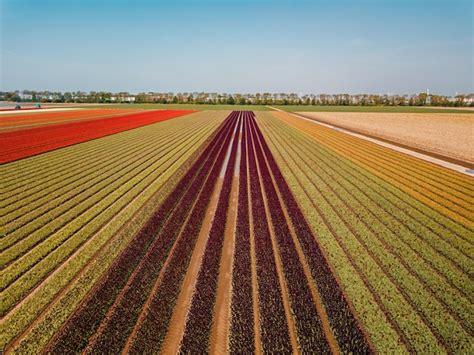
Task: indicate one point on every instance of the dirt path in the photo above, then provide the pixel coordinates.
(221, 321)
(177, 323)
(284, 289)
(314, 292)
(221, 324)
(207, 221)
(172, 342)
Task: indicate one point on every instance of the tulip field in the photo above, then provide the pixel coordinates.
(183, 231)
(22, 143)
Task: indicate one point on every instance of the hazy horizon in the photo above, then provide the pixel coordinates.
(399, 47)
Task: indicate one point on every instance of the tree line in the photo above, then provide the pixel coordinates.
(419, 99)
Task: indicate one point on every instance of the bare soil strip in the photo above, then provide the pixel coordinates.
(180, 311)
(94, 342)
(64, 330)
(135, 217)
(465, 169)
(198, 329)
(220, 327)
(178, 320)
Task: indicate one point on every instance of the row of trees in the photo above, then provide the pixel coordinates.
(242, 99)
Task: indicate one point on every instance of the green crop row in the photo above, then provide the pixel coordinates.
(107, 238)
(385, 289)
(33, 168)
(21, 197)
(30, 234)
(376, 241)
(65, 164)
(360, 240)
(73, 214)
(457, 267)
(27, 172)
(68, 238)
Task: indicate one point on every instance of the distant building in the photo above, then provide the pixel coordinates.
(428, 97)
(25, 96)
(469, 99)
(122, 98)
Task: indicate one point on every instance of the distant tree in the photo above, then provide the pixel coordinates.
(12, 96)
(230, 100)
(459, 100)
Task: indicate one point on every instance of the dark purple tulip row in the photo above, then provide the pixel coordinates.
(197, 330)
(152, 330)
(274, 328)
(126, 311)
(309, 329)
(346, 329)
(242, 336)
(75, 334)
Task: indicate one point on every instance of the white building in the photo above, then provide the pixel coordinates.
(25, 96)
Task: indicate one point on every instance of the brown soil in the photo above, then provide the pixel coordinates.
(448, 135)
(177, 323)
(221, 321)
(134, 331)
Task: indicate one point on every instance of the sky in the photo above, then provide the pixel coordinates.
(318, 46)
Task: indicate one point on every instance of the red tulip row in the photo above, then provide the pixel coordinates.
(199, 322)
(144, 256)
(348, 334)
(274, 328)
(242, 335)
(308, 324)
(24, 143)
(153, 328)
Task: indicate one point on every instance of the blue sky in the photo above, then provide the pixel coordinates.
(237, 46)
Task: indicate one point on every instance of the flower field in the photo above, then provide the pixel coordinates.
(23, 143)
(226, 232)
